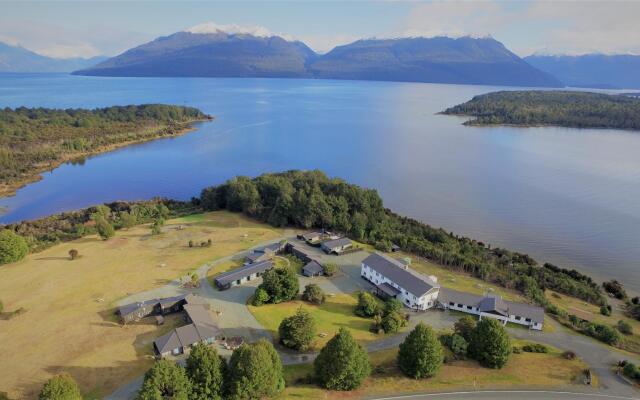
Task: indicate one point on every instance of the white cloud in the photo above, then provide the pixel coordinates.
(234, 29)
(324, 43)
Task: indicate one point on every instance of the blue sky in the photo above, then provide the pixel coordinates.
(88, 28)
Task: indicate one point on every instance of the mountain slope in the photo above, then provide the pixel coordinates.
(19, 59)
(442, 60)
(210, 54)
(592, 70)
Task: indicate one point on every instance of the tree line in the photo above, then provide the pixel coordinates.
(559, 108)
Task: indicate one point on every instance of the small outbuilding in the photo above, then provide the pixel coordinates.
(242, 274)
(337, 246)
(312, 268)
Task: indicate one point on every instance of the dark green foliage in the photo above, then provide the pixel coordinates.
(535, 348)
(490, 344)
(602, 332)
(615, 288)
(127, 220)
(13, 247)
(330, 269)
(559, 108)
(281, 284)
(207, 371)
(32, 137)
(310, 199)
(165, 380)
(392, 322)
(60, 387)
(298, 331)
(421, 354)
(367, 305)
(458, 345)
(464, 327)
(104, 228)
(313, 294)
(156, 226)
(392, 305)
(260, 297)
(342, 363)
(605, 310)
(255, 371)
(631, 371)
(624, 327)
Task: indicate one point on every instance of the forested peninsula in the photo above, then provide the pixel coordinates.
(551, 108)
(34, 140)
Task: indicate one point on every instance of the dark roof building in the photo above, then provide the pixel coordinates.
(312, 268)
(242, 274)
(336, 245)
(301, 252)
(202, 329)
(399, 273)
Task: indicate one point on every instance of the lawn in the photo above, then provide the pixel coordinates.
(335, 313)
(524, 370)
(69, 324)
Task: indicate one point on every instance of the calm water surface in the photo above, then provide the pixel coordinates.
(567, 196)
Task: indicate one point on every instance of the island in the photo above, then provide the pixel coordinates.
(34, 140)
(551, 108)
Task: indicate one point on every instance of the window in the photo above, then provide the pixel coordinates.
(407, 300)
(452, 304)
(518, 318)
(238, 282)
(527, 319)
(460, 305)
(469, 308)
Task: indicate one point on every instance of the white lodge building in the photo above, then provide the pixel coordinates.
(394, 279)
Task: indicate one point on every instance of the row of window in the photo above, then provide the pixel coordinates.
(517, 317)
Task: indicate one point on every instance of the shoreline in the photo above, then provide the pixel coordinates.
(10, 189)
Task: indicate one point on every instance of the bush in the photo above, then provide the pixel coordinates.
(569, 355)
(516, 350)
(392, 305)
(73, 254)
(535, 348)
(342, 363)
(13, 247)
(604, 333)
(605, 310)
(464, 327)
(165, 379)
(281, 284)
(420, 354)
(490, 344)
(615, 288)
(330, 269)
(624, 327)
(631, 371)
(60, 387)
(367, 305)
(313, 294)
(260, 297)
(104, 228)
(458, 345)
(255, 371)
(392, 322)
(297, 331)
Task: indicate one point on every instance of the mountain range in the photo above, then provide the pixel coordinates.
(220, 54)
(592, 70)
(19, 59)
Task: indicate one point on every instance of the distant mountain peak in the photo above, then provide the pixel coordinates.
(234, 29)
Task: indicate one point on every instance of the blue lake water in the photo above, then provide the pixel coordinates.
(567, 196)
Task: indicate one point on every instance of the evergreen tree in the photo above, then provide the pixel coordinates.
(490, 343)
(421, 354)
(392, 322)
(367, 305)
(165, 380)
(255, 371)
(297, 331)
(13, 247)
(342, 363)
(207, 371)
(104, 228)
(464, 327)
(60, 387)
(281, 284)
(313, 294)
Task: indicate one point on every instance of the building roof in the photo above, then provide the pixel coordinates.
(253, 257)
(242, 272)
(202, 327)
(313, 268)
(311, 235)
(273, 247)
(388, 289)
(493, 304)
(167, 342)
(302, 249)
(400, 274)
(534, 313)
(188, 335)
(332, 244)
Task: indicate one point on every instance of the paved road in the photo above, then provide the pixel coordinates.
(507, 395)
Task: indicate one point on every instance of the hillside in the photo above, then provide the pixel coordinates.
(19, 59)
(553, 108)
(224, 54)
(592, 70)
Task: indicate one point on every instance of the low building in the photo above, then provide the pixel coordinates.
(312, 237)
(265, 253)
(312, 268)
(300, 252)
(492, 306)
(336, 246)
(394, 279)
(136, 311)
(242, 274)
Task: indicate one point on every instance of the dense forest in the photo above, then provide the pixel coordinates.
(33, 140)
(556, 108)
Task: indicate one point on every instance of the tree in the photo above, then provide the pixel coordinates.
(392, 305)
(255, 371)
(625, 327)
(392, 322)
(60, 387)
(367, 305)
(165, 380)
(281, 284)
(13, 247)
(313, 294)
(297, 331)
(605, 310)
(104, 228)
(458, 345)
(464, 327)
(73, 254)
(156, 227)
(421, 354)
(490, 343)
(330, 269)
(207, 371)
(342, 363)
(127, 220)
(260, 296)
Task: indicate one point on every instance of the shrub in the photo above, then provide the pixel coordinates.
(569, 355)
(631, 371)
(207, 371)
(367, 305)
(190, 243)
(281, 284)
(260, 297)
(605, 310)
(420, 354)
(104, 228)
(313, 294)
(392, 305)
(535, 348)
(297, 331)
(73, 254)
(604, 333)
(13, 247)
(165, 379)
(255, 371)
(615, 288)
(624, 327)
(60, 387)
(392, 322)
(464, 326)
(342, 363)
(516, 350)
(490, 344)
(458, 345)
(330, 269)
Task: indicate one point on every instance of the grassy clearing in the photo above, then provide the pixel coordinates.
(69, 323)
(522, 370)
(335, 313)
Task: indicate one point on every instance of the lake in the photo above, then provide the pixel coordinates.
(566, 196)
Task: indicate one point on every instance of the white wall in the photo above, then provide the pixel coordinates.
(408, 299)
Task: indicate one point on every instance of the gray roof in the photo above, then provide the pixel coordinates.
(188, 335)
(167, 342)
(415, 283)
(313, 267)
(493, 304)
(534, 313)
(242, 272)
(302, 249)
(202, 327)
(332, 244)
(447, 295)
(133, 307)
(273, 247)
(388, 289)
(311, 235)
